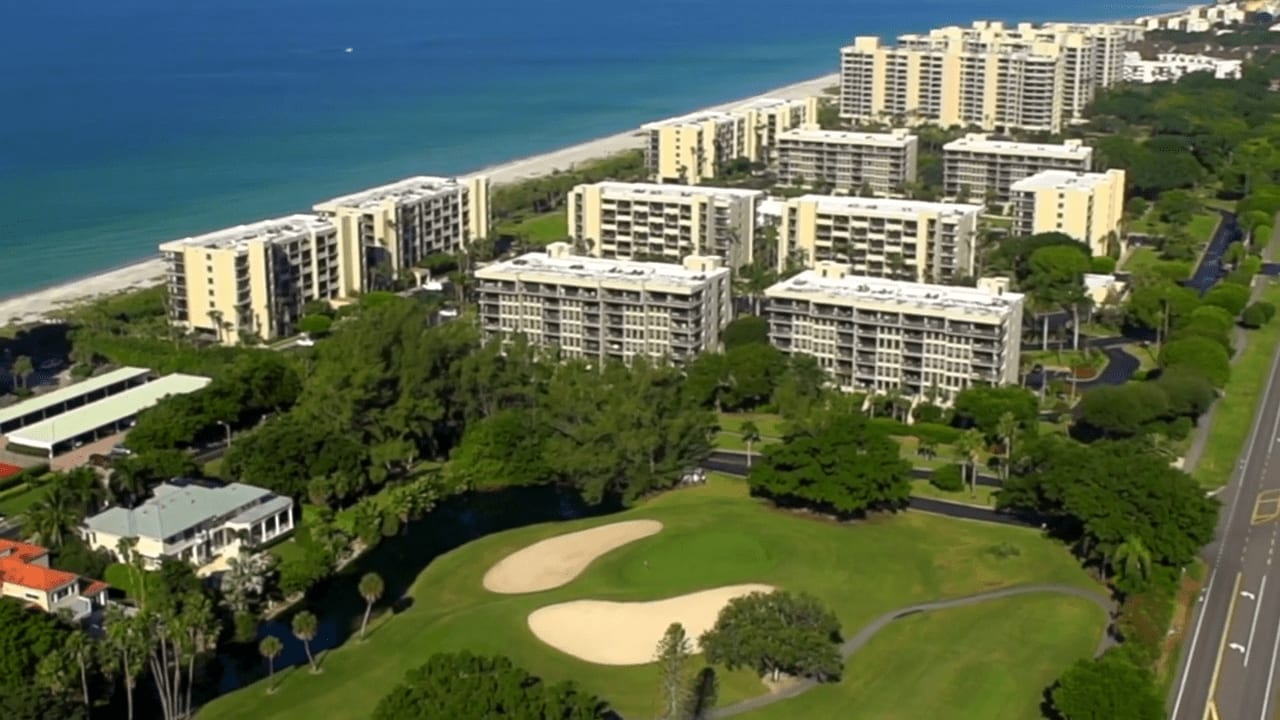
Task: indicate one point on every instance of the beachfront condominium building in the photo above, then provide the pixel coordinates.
(900, 239)
(981, 169)
(691, 149)
(881, 163)
(1170, 67)
(252, 280)
(989, 75)
(652, 221)
(399, 224)
(875, 335)
(606, 309)
(1087, 206)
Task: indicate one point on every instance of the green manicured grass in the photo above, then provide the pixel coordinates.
(1233, 419)
(539, 229)
(730, 437)
(1066, 359)
(17, 503)
(983, 494)
(213, 468)
(1141, 258)
(1202, 225)
(1145, 355)
(912, 669)
(713, 535)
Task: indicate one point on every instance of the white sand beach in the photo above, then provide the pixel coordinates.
(39, 305)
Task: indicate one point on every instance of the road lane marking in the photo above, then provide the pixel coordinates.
(1266, 508)
(1271, 676)
(1222, 647)
(1257, 608)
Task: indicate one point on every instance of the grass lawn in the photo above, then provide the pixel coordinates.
(1066, 359)
(539, 229)
(1141, 258)
(1145, 355)
(729, 437)
(1233, 419)
(713, 535)
(984, 495)
(213, 468)
(17, 503)
(911, 669)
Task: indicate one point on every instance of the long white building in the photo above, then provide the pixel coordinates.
(979, 167)
(876, 335)
(899, 239)
(846, 161)
(1170, 67)
(607, 309)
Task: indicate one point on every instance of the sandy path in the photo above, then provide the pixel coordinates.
(614, 633)
(558, 560)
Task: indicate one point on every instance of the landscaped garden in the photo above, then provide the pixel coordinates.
(712, 536)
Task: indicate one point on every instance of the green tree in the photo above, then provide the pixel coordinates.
(746, 330)
(315, 325)
(774, 633)
(1257, 315)
(371, 588)
(1006, 429)
(1228, 296)
(1108, 688)
(984, 406)
(1132, 563)
(503, 449)
(304, 626)
(270, 648)
(22, 369)
(1123, 410)
(55, 516)
(1188, 392)
(126, 650)
(1199, 354)
(82, 652)
(673, 654)
(967, 447)
(1056, 278)
(750, 435)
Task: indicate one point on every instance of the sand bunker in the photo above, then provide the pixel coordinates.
(614, 633)
(556, 561)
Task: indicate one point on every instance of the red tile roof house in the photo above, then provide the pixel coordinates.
(25, 575)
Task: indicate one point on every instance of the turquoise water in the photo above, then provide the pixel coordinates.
(131, 122)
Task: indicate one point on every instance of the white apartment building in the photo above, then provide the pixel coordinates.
(988, 75)
(1087, 206)
(254, 279)
(399, 224)
(1170, 67)
(651, 221)
(908, 240)
(848, 161)
(192, 520)
(691, 149)
(607, 309)
(978, 168)
(1199, 18)
(876, 335)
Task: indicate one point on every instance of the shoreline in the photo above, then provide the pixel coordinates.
(40, 305)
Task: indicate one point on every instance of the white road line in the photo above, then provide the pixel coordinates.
(1271, 676)
(1257, 608)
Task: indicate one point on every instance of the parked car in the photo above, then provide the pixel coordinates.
(120, 451)
(306, 341)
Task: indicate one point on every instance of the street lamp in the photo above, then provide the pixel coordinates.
(228, 428)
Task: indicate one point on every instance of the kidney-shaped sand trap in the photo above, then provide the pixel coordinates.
(555, 561)
(627, 633)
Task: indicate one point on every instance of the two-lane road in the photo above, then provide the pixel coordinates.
(1229, 664)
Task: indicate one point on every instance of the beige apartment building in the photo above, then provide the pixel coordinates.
(690, 149)
(603, 310)
(652, 221)
(876, 335)
(1087, 206)
(908, 240)
(401, 223)
(252, 280)
(989, 75)
(883, 163)
(979, 168)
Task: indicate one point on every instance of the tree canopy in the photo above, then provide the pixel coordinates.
(776, 632)
(1108, 688)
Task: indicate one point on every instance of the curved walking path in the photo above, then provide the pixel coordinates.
(855, 643)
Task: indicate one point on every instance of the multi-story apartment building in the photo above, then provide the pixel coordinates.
(252, 280)
(690, 149)
(979, 168)
(987, 75)
(899, 239)
(401, 223)
(1087, 206)
(848, 161)
(607, 309)
(635, 221)
(1170, 67)
(876, 335)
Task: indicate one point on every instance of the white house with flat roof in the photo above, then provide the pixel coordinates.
(194, 521)
(56, 402)
(111, 414)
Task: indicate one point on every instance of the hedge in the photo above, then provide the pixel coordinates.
(932, 432)
(27, 475)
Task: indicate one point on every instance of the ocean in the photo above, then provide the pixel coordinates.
(131, 122)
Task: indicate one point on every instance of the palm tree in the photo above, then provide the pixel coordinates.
(271, 647)
(22, 369)
(80, 649)
(1132, 560)
(53, 517)
(968, 445)
(371, 587)
(750, 435)
(216, 317)
(1006, 426)
(304, 628)
(127, 647)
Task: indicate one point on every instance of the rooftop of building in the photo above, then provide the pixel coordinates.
(17, 566)
(819, 283)
(886, 206)
(178, 506)
(282, 229)
(700, 116)
(555, 262)
(673, 190)
(767, 103)
(26, 552)
(981, 142)
(899, 137)
(74, 391)
(408, 190)
(1063, 180)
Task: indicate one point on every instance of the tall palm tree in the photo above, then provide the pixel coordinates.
(53, 517)
(1132, 560)
(22, 369)
(126, 644)
(967, 446)
(750, 435)
(304, 628)
(216, 317)
(1006, 426)
(270, 648)
(371, 588)
(81, 651)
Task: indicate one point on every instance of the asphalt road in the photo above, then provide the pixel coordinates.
(1230, 659)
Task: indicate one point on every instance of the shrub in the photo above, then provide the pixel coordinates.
(1102, 265)
(939, 434)
(928, 413)
(24, 477)
(948, 477)
(1257, 315)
